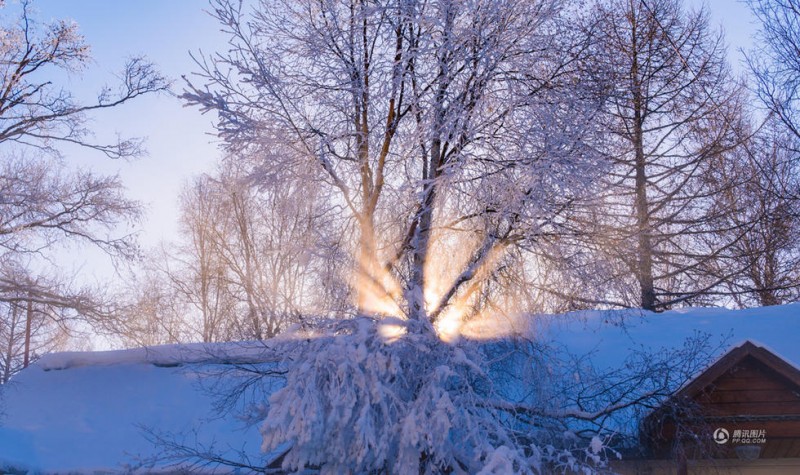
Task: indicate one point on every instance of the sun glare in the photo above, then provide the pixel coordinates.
(379, 293)
(391, 331)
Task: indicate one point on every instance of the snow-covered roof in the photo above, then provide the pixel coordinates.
(91, 411)
(610, 336)
(162, 355)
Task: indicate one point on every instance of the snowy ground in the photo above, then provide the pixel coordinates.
(90, 411)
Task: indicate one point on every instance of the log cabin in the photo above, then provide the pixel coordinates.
(741, 416)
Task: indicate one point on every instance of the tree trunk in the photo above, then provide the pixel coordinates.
(421, 243)
(645, 245)
(645, 251)
(28, 320)
(9, 356)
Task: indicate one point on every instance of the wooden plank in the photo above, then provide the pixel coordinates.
(773, 448)
(745, 372)
(751, 369)
(741, 384)
(753, 408)
(781, 448)
(750, 395)
(793, 449)
(784, 447)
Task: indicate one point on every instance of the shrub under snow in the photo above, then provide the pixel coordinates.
(387, 395)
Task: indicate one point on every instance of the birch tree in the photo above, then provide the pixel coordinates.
(266, 242)
(195, 269)
(248, 264)
(155, 312)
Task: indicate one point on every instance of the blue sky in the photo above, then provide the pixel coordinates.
(737, 22)
(178, 138)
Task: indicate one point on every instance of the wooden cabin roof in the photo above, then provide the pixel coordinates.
(734, 357)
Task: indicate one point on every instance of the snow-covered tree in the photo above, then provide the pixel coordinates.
(44, 207)
(43, 201)
(447, 131)
(454, 139)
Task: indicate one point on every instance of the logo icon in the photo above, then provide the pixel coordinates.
(721, 435)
